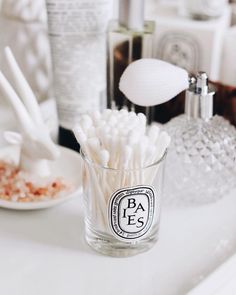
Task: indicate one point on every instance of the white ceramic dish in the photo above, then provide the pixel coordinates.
(67, 166)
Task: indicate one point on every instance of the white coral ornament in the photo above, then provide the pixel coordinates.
(36, 145)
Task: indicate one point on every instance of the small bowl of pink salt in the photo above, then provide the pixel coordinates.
(22, 191)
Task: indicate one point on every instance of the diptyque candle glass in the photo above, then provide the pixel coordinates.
(122, 207)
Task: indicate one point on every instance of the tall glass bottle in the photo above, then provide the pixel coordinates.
(129, 39)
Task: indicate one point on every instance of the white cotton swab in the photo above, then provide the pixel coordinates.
(112, 121)
(93, 144)
(82, 139)
(134, 137)
(80, 136)
(127, 155)
(91, 132)
(153, 133)
(114, 150)
(104, 157)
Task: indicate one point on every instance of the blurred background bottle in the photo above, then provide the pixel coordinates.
(129, 39)
(77, 33)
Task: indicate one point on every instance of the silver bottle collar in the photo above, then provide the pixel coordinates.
(199, 99)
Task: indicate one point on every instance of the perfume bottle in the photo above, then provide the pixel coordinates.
(201, 165)
(129, 39)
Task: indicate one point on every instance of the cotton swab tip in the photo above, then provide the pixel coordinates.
(79, 134)
(104, 157)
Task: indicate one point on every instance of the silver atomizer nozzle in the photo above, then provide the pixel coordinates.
(199, 100)
(192, 83)
(202, 83)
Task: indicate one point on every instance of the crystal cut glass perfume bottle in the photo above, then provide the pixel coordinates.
(201, 165)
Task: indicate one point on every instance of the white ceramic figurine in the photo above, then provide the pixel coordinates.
(36, 144)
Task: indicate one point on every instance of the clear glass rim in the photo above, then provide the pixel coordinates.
(86, 159)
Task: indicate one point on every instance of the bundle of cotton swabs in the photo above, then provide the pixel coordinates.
(119, 140)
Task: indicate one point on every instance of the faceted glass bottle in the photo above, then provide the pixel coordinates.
(201, 164)
(127, 41)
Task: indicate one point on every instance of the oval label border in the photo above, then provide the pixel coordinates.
(134, 193)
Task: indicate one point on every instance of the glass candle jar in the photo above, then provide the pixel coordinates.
(122, 207)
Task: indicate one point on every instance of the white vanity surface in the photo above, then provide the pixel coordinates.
(44, 252)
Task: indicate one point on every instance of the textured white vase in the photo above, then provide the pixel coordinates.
(23, 28)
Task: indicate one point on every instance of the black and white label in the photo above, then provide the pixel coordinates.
(131, 212)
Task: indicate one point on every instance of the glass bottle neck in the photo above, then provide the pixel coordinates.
(131, 14)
